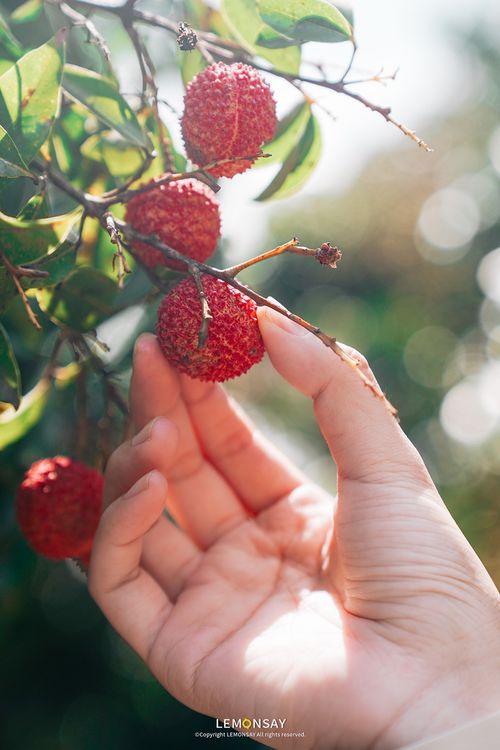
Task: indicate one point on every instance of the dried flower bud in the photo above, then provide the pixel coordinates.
(328, 255)
(186, 37)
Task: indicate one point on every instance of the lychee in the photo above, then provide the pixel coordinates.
(184, 214)
(234, 342)
(58, 506)
(229, 112)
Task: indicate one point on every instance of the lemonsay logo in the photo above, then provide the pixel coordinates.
(246, 723)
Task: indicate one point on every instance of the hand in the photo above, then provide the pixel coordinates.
(365, 622)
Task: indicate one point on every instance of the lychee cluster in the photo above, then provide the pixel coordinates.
(183, 214)
(234, 342)
(58, 504)
(229, 112)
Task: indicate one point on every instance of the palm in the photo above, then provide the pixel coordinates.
(259, 626)
(266, 601)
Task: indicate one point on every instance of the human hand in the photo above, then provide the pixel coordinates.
(365, 622)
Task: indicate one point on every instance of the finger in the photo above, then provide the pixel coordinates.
(200, 500)
(232, 443)
(131, 599)
(364, 438)
(169, 555)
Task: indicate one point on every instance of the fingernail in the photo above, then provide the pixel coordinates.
(142, 344)
(141, 485)
(144, 435)
(284, 323)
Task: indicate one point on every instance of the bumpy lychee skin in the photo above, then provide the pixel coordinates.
(229, 111)
(234, 342)
(58, 506)
(184, 214)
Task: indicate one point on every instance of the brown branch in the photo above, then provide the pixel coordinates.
(328, 341)
(149, 85)
(287, 247)
(119, 258)
(224, 49)
(81, 345)
(16, 273)
(108, 199)
(78, 19)
(83, 424)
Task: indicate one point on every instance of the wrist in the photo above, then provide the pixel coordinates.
(466, 690)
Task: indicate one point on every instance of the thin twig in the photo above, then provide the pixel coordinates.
(16, 273)
(119, 258)
(218, 273)
(149, 85)
(78, 19)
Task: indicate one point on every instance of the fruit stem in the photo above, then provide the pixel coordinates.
(235, 270)
(206, 315)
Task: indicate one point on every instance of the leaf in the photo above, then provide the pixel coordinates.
(192, 63)
(82, 301)
(29, 98)
(306, 20)
(7, 39)
(247, 26)
(298, 165)
(15, 424)
(27, 241)
(101, 96)
(57, 264)
(10, 378)
(288, 133)
(11, 163)
(119, 156)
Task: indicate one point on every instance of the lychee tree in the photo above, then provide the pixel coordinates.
(108, 198)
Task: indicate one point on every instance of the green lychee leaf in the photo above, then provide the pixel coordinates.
(298, 166)
(250, 30)
(8, 41)
(84, 299)
(10, 378)
(29, 98)
(306, 20)
(39, 244)
(289, 131)
(101, 96)
(26, 241)
(14, 425)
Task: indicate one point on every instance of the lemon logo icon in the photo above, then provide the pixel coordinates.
(246, 723)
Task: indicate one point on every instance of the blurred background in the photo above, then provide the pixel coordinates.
(418, 292)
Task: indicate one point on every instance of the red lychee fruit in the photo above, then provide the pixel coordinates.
(58, 504)
(234, 342)
(229, 112)
(184, 214)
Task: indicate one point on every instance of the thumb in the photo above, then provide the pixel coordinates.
(364, 438)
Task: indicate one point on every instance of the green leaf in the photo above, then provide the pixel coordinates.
(58, 265)
(11, 162)
(270, 39)
(288, 133)
(246, 26)
(27, 241)
(7, 39)
(82, 301)
(29, 98)
(10, 378)
(15, 424)
(192, 63)
(298, 165)
(306, 20)
(119, 156)
(101, 96)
